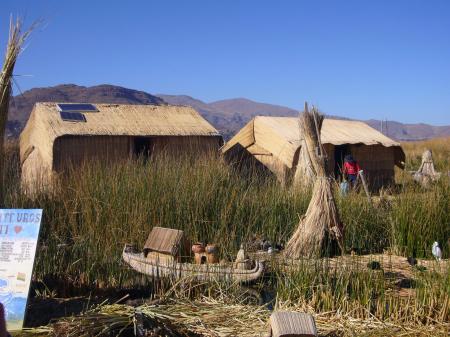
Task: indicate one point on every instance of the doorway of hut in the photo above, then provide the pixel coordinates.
(340, 151)
(142, 148)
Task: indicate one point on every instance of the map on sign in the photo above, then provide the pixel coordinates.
(19, 230)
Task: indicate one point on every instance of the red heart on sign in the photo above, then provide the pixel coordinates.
(17, 229)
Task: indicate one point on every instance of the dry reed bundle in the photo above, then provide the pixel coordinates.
(426, 172)
(320, 230)
(114, 320)
(212, 318)
(172, 319)
(14, 47)
(304, 176)
(311, 163)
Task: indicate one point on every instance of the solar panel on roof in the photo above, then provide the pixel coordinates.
(72, 116)
(76, 107)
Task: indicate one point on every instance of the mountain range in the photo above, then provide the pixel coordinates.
(228, 116)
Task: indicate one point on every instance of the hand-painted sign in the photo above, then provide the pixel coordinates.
(19, 231)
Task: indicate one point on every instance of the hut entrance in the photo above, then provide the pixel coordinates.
(340, 151)
(142, 147)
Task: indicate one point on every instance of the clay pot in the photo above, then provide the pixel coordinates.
(200, 258)
(211, 248)
(212, 254)
(198, 248)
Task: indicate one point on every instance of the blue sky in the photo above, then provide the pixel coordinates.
(360, 59)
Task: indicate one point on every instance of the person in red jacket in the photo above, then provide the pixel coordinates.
(351, 169)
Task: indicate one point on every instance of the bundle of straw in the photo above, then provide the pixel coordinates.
(14, 47)
(211, 318)
(179, 318)
(214, 318)
(114, 320)
(310, 164)
(320, 231)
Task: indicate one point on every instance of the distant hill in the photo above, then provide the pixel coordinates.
(246, 107)
(228, 116)
(409, 132)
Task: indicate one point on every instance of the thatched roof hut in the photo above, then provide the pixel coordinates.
(53, 139)
(273, 144)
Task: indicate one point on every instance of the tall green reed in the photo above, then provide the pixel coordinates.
(98, 208)
(353, 289)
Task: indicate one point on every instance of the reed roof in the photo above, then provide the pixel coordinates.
(120, 119)
(164, 240)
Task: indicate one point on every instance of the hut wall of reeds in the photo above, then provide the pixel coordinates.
(49, 144)
(275, 143)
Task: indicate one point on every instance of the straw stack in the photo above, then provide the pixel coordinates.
(320, 231)
(13, 49)
(426, 172)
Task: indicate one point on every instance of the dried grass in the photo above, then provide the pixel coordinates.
(213, 318)
(335, 324)
(320, 230)
(14, 47)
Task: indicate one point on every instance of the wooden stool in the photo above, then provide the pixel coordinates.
(292, 324)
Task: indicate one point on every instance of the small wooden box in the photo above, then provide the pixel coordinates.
(292, 324)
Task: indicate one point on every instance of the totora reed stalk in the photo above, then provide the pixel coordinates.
(320, 231)
(14, 47)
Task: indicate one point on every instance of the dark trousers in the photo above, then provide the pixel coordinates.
(352, 179)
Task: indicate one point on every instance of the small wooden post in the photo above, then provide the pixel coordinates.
(364, 183)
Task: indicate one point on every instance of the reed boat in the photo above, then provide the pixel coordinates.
(162, 268)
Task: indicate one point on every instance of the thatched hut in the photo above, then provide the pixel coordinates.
(272, 144)
(58, 136)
